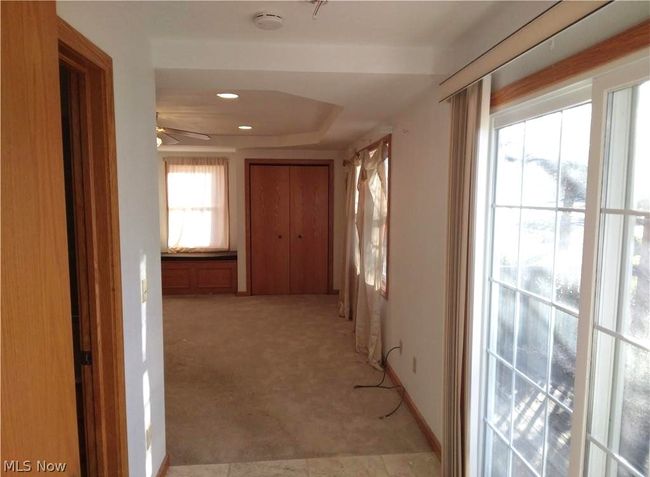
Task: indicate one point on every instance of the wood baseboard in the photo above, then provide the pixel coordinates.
(243, 293)
(164, 467)
(419, 419)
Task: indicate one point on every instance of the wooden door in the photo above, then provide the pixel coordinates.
(309, 229)
(38, 413)
(269, 229)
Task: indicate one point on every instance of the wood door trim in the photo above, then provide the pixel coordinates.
(103, 264)
(247, 204)
(617, 46)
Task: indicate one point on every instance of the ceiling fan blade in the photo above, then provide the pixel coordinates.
(168, 139)
(182, 132)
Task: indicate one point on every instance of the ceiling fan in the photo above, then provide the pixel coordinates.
(167, 135)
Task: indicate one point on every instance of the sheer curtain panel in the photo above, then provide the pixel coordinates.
(371, 227)
(197, 204)
(348, 292)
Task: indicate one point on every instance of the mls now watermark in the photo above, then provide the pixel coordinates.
(33, 466)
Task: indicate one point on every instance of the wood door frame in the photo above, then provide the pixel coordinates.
(330, 212)
(102, 266)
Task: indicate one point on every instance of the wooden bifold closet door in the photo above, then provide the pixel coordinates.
(289, 228)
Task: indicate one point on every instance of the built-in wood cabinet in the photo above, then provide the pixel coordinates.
(189, 274)
(289, 228)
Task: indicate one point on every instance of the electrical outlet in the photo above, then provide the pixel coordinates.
(401, 347)
(415, 364)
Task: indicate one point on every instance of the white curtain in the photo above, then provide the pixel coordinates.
(197, 204)
(350, 271)
(371, 227)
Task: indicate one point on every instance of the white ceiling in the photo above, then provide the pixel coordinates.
(394, 23)
(364, 101)
(268, 112)
(321, 82)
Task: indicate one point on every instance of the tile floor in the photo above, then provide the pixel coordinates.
(423, 464)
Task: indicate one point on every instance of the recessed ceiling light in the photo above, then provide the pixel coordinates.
(245, 127)
(228, 95)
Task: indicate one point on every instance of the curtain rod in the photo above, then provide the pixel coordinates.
(558, 17)
(386, 139)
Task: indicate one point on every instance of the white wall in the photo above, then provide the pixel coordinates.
(236, 186)
(418, 241)
(137, 170)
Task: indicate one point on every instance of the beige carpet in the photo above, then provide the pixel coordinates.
(269, 378)
(423, 464)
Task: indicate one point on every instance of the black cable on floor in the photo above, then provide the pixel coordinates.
(384, 363)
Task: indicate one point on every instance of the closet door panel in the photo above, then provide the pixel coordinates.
(309, 229)
(270, 229)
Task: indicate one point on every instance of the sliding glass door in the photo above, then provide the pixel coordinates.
(536, 362)
(619, 418)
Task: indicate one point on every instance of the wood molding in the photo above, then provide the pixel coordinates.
(164, 466)
(419, 419)
(247, 206)
(618, 46)
(103, 272)
(244, 293)
(84, 47)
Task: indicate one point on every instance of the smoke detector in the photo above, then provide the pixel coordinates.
(267, 21)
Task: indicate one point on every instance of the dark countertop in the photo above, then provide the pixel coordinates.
(228, 255)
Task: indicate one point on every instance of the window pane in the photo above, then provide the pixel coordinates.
(541, 158)
(628, 149)
(532, 339)
(619, 470)
(503, 312)
(563, 358)
(636, 315)
(496, 465)
(558, 440)
(568, 259)
(625, 267)
(528, 425)
(610, 259)
(509, 153)
(537, 244)
(618, 144)
(519, 469)
(634, 428)
(506, 244)
(536, 254)
(499, 396)
(621, 400)
(641, 148)
(574, 155)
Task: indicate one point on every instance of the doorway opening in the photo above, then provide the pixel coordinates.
(72, 126)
